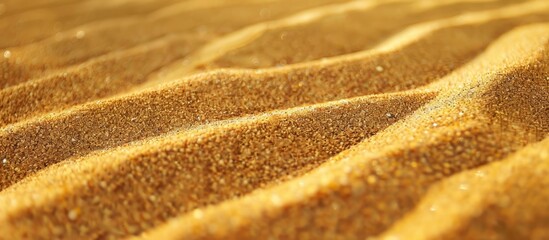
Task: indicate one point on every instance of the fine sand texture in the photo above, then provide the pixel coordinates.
(274, 119)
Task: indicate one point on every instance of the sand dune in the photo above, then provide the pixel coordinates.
(498, 196)
(257, 119)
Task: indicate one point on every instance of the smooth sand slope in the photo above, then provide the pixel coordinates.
(274, 119)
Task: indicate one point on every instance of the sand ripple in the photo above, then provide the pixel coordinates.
(259, 119)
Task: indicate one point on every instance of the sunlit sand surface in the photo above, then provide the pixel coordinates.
(274, 119)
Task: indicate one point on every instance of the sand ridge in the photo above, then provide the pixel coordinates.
(386, 164)
(265, 119)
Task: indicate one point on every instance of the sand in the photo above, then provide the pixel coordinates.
(274, 119)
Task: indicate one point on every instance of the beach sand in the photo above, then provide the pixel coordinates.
(274, 119)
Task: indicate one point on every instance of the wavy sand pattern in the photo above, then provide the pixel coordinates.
(274, 119)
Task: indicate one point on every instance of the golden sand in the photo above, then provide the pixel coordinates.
(274, 119)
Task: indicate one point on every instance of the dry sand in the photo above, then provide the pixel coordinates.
(274, 119)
